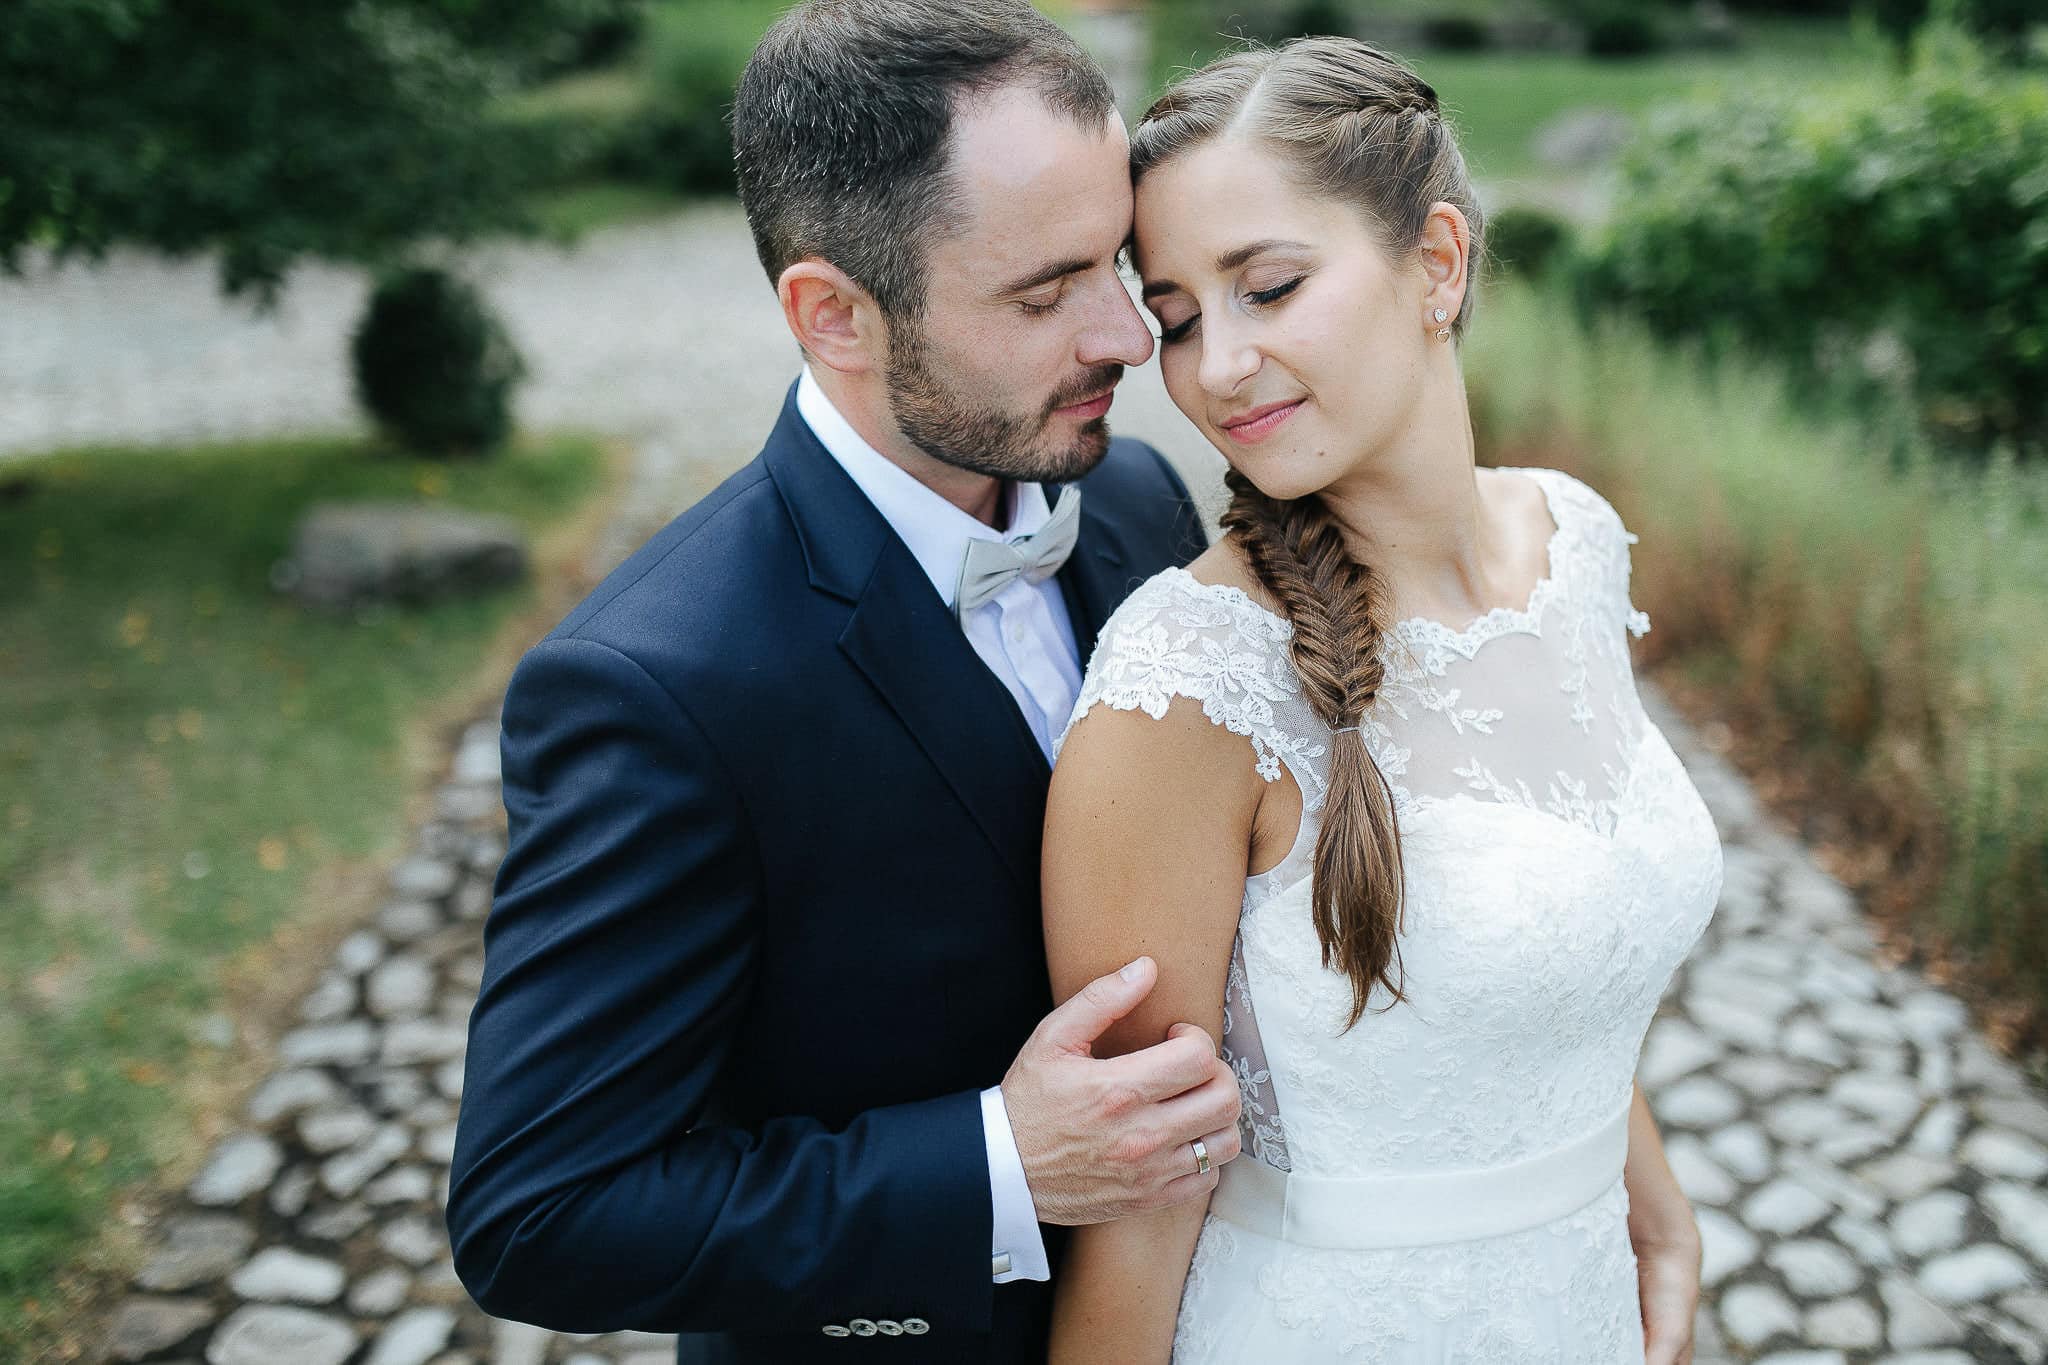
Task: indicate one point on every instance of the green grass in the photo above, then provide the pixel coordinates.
(567, 213)
(179, 747)
(1880, 614)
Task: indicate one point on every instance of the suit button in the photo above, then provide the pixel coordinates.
(862, 1327)
(888, 1328)
(833, 1329)
(915, 1327)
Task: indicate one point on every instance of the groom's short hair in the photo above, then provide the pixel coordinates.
(842, 119)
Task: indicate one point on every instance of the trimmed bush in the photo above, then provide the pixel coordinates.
(682, 139)
(433, 367)
(1888, 237)
(1622, 33)
(1456, 33)
(1314, 18)
(1526, 241)
(602, 35)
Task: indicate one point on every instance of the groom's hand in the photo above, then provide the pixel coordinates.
(1103, 1138)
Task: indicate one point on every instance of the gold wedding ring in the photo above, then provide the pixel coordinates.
(1201, 1158)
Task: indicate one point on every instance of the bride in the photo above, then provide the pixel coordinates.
(1371, 782)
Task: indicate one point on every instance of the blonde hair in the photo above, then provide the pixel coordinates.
(1350, 122)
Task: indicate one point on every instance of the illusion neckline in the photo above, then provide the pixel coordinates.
(1427, 630)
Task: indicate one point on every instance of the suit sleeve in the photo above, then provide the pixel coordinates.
(591, 1190)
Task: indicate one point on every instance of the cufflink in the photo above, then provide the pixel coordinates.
(999, 1264)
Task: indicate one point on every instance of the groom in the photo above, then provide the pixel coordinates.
(764, 1051)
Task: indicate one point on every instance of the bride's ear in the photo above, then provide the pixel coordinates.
(832, 317)
(1445, 252)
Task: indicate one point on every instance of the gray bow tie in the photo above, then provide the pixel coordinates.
(989, 566)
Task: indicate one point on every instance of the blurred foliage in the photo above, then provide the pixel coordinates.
(1887, 235)
(2001, 24)
(659, 117)
(1456, 33)
(433, 366)
(270, 132)
(1524, 240)
(605, 34)
(1870, 628)
(1622, 31)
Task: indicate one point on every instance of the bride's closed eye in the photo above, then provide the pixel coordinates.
(1258, 297)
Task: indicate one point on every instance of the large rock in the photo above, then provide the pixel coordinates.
(345, 553)
(1582, 138)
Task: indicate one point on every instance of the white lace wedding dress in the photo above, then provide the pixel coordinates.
(1441, 1182)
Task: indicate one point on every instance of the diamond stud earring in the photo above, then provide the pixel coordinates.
(1439, 315)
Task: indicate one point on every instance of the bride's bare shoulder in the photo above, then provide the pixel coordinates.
(1223, 565)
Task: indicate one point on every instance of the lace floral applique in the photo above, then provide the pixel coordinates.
(1462, 718)
(1258, 1119)
(1179, 637)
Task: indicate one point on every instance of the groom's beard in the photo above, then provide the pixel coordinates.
(985, 440)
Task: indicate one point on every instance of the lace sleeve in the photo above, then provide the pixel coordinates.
(1638, 622)
(1607, 540)
(1178, 637)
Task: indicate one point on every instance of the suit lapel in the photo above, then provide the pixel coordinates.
(901, 637)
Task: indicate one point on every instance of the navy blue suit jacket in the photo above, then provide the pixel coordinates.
(768, 921)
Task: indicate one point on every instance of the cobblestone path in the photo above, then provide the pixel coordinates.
(1871, 1176)
(1869, 1173)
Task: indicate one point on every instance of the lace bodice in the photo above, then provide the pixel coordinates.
(1558, 863)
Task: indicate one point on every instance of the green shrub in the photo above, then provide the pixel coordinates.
(433, 366)
(1456, 33)
(1622, 32)
(602, 34)
(2002, 24)
(1889, 237)
(1310, 18)
(661, 120)
(683, 139)
(1526, 241)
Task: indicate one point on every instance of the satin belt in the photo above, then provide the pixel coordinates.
(1422, 1208)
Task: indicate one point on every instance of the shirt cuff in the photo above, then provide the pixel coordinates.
(1016, 1247)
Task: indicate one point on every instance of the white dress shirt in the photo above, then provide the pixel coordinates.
(1025, 637)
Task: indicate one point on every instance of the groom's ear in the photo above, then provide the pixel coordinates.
(832, 317)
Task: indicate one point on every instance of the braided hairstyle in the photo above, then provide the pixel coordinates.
(1350, 122)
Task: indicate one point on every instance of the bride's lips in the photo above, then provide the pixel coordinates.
(1090, 410)
(1252, 427)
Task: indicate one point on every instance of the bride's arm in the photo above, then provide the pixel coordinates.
(1149, 832)
(1666, 1239)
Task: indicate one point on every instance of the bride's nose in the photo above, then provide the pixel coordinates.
(1228, 357)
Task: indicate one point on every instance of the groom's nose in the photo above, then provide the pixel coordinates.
(1116, 333)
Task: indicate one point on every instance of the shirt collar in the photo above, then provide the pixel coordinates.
(935, 531)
